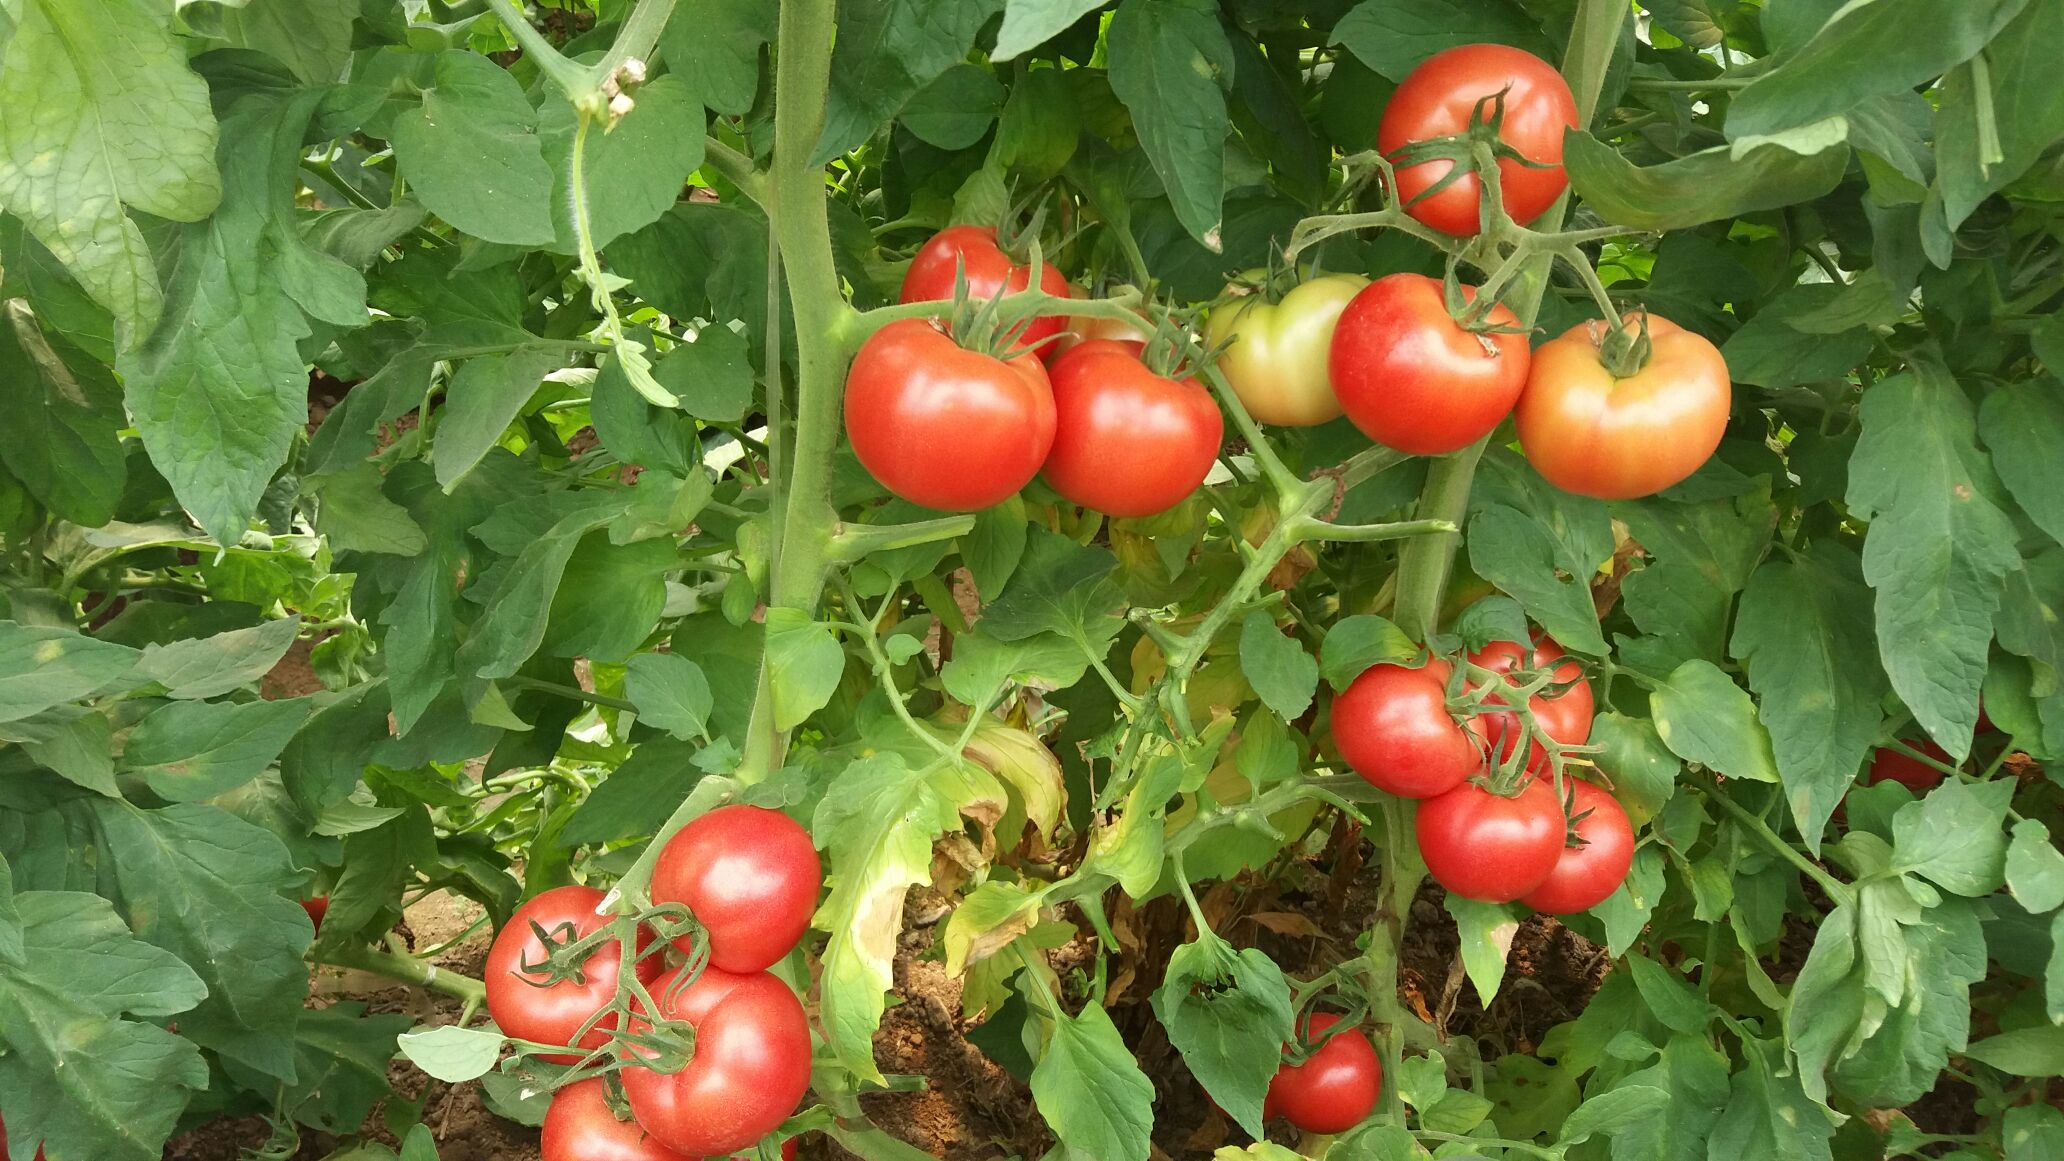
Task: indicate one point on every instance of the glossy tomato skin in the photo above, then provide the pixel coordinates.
(1127, 442)
(1334, 1090)
(317, 907)
(1437, 99)
(1276, 353)
(1411, 378)
(1617, 439)
(1565, 716)
(1889, 765)
(989, 272)
(1393, 727)
(552, 1014)
(945, 427)
(580, 1126)
(751, 877)
(1082, 328)
(1585, 876)
(750, 1071)
(1489, 848)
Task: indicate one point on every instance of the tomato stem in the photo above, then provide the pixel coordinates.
(407, 969)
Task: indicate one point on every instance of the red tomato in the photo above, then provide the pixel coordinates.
(1438, 98)
(1127, 442)
(1590, 433)
(946, 427)
(317, 907)
(989, 272)
(1411, 378)
(1334, 1090)
(1889, 765)
(1082, 328)
(750, 1071)
(750, 875)
(1585, 875)
(580, 1126)
(1566, 716)
(1490, 848)
(1393, 727)
(520, 1001)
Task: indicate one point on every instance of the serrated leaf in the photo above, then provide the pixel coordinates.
(1613, 1112)
(194, 750)
(634, 170)
(473, 155)
(1228, 1013)
(1355, 643)
(481, 401)
(2019, 422)
(1704, 717)
(2035, 868)
(885, 52)
(996, 546)
(717, 42)
(1487, 931)
(1171, 65)
(1540, 545)
(65, 411)
(1278, 668)
(1642, 770)
(670, 692)
(212, 666)
(1703, 187)
(1774, 350)
(1059, 587)
(1091, 1091)
(804, 663)
(43, 667)
(985, 922)
(1953, 838)
(1027, 24)
(453, 1054)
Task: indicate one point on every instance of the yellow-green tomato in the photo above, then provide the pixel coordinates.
(1276, 362)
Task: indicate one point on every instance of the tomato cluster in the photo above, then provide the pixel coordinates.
(750, 877)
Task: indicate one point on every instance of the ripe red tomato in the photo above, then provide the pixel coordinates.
(1411, 378)
(989, 272)
(317, 907)
(1490, 848)
(1584, 876)
(1276, 352)
(750, 875)
(1334, 1090)
(520, 1001)
(1891, 765)
(580, 1126)
(1393, 727)
(1127, 442)
(1590, 433)
(750, 1071)
(946, 427)
(1564, 716)
(1438, 98)
(1082, 328)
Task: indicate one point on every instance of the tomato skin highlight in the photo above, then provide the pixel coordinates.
(1334, 1090)
(317, 906)
(1565, 717)
(1889, 765)
(1586, 876)
(989, 272)
(1618, 439)
(1412, 379)
(750, 1071)
(1493, 849)
(1437, 99)
(580, 1126)
(751, 877)
(1127, 442)
(1392, 726)
(551, 1015)
(944, 427)
(1277, 358)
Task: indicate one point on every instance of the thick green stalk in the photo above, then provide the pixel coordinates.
(408, 970)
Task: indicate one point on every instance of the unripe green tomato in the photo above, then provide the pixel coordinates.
(1277, 360)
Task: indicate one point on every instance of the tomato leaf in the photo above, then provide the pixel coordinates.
(341, 1056)
(634, 171)
(43, 667)
(804, 663)
(1487, 931)
(886, 51)
(670, 692)
(474, 156)
(1394, 36)
(1027, 24)
(1643, 771)
(1774, 349)
(1541, 546)
(212, 666)
(1355, 643)
(66, 411)
(1228, 1013)
(1768, 1114)
(2035, 868)
(1091, 1091)
(1953, 837)
(1171, 64)
(1700, 556)
(2017, 421)
(956, 109)
(190, 751)
(1277, 666)
(1613, 1112)
(1704, 717)
(717, 43)
(1059, 587)
(482, 399)
(1702, 187)
(452, 1054)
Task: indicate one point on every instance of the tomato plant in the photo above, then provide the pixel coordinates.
(471, 462)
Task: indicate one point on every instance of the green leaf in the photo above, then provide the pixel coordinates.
(956, 109)
(877, 823)
(354, 515)
(1171, 65)
(1486, 931)
(65, 412)
(1804, 634)
(1694, 1075)
(1060, 587)
(1938, 547)
(212, 666)
(82, 144)
(981, 665)
(82, 752)
(985, 922)
(1699, 556)
(635, 170)
(1395, 36)
(314, 40)
(452, 1054)
(2035, 868)
(1625, 913)
(1704, 717)
(804, 662)
(1953, 837)
(993, 551)
(1768, 1115)
(2027, 112)
(1228, 1013)
(1277, 666)
(1541, 546)
(2021, 424)
(1706, 186)
(1027, 24)
(1681, 1007)
(1041, 125)
(670, 692)
(886, 51)
(2037, 1051)
(340, 1065)
(1867, 50)
(518, 607)
(1773, 350)
(1091, 1091)
(481, 401)
(41, 668)
(2032, 1132)
(717, 43)
(473, 155)
(1691, 21)
(638, 796)
(1355, 643)
(712, 376)
(1613, 1112)
(204, 885)
(1643, 770)
(194, 750)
